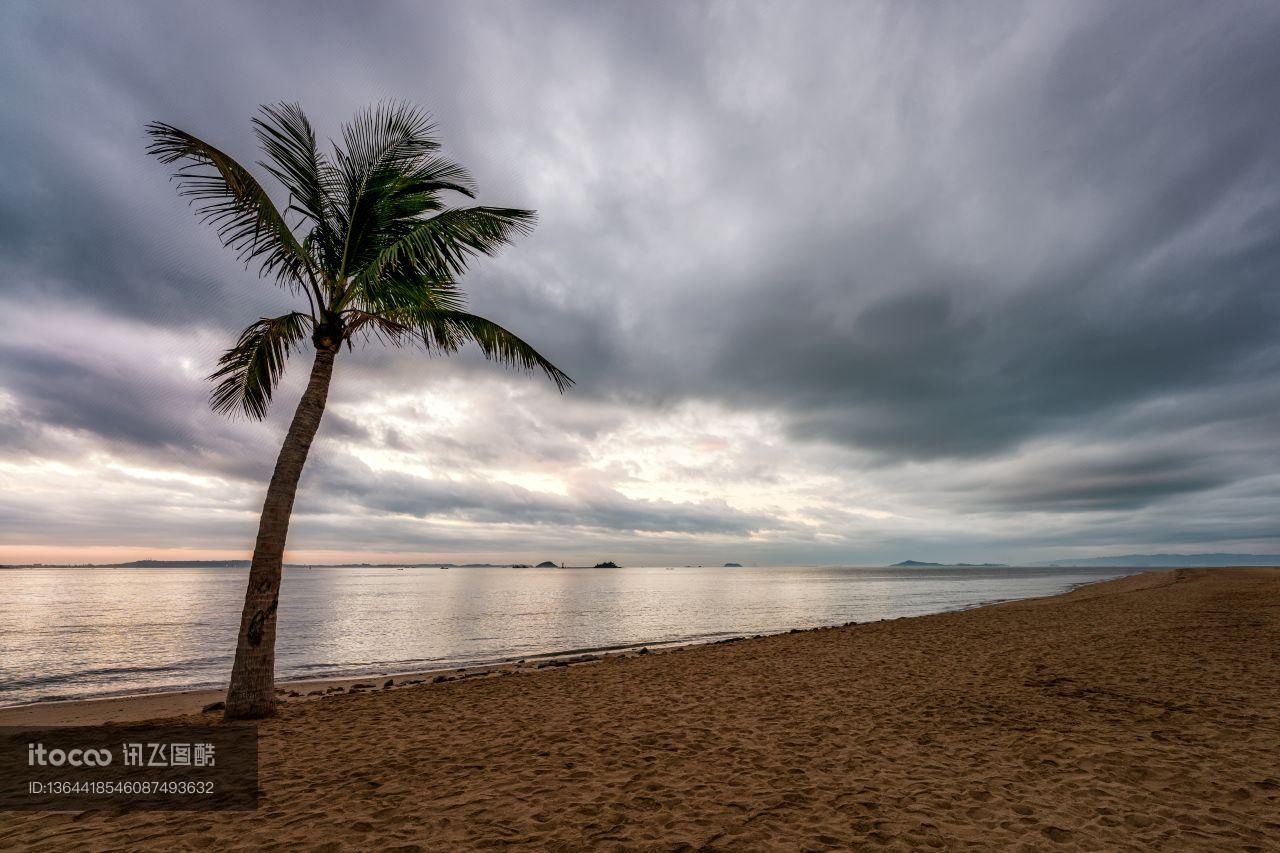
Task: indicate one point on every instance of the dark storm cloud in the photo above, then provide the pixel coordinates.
(1119, 483)
(875, 341)
(63, 390)
(120, 394)
(917, 375)
(931, 238)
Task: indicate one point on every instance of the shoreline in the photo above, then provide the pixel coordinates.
(135, 707)
(185, 701)
(1136, 713)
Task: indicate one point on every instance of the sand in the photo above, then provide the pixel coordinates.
(1136, 714)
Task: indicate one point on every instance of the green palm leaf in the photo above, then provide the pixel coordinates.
(381, 146)
(393, 294)
(441, 247)
(289, 141)
(247, 373)
(232, 200)
(448, 331)
(378, 253)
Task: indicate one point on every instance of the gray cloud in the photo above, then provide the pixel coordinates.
(979, 265)
(502, 503)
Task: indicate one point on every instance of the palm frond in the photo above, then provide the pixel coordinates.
(437, 174)
(386, 137)
(247, 373)
(393, 295)
(289, 141)
(398, 201)
(226, 195)
(442, 246)
(448, 331)
(380, 145)
(377, 250)
(381, 326)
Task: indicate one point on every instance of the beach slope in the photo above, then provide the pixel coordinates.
(1142, 713)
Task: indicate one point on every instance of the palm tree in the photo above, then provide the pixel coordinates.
(369, 242)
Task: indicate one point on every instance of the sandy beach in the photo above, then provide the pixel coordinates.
(1142, 713)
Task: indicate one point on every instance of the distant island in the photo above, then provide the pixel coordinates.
(607, 564)
(547, 564)
(916, 564)
(733, 565)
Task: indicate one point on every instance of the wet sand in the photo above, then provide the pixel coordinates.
(1142, 713)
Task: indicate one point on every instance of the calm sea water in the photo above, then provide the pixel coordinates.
(74, 633)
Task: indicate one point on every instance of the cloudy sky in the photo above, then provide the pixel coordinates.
(838, 282)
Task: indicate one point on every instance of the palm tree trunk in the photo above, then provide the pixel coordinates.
(252, 691)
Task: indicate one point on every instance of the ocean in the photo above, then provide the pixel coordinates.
(72, 633)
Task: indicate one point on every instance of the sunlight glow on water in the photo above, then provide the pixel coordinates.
(73, 633)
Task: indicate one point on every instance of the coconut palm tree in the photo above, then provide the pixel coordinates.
(368, 240)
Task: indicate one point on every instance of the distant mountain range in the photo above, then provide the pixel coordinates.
(140, 564)
(1155, 561)
(1170, 560)
(244, 564)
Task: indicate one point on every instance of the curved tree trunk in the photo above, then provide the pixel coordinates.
(252, 691)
